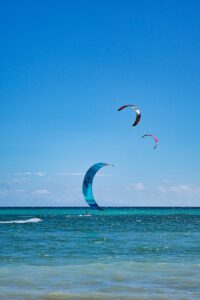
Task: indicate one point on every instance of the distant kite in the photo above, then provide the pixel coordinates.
(87, 184)
(154, 137)
(137, 111)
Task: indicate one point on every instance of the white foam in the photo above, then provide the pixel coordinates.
(85, 215)
(32, 220)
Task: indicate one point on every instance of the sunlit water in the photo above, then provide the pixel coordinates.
(60, 253)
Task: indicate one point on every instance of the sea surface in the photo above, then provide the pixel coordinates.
(116, 253)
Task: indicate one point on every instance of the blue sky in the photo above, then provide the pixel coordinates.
(65, 69)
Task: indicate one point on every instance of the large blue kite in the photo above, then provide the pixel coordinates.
(87, 184)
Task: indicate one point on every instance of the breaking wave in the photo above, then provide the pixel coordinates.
(32, 220)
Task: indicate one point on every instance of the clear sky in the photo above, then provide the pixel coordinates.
(65, 68)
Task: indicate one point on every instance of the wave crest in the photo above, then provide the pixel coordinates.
(32, 220)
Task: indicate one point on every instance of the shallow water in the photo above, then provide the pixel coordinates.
(127, 253)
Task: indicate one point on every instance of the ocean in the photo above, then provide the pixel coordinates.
(117, 253)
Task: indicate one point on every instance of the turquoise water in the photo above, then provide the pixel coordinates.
(126, 253)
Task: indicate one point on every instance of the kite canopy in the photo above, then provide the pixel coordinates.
(154, 137)
(137, 111)
(87, 184)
